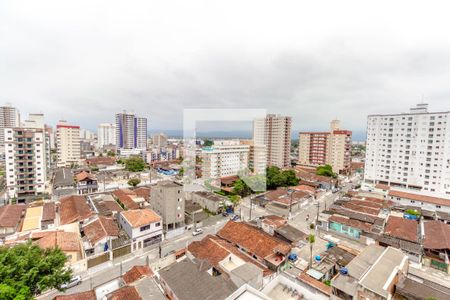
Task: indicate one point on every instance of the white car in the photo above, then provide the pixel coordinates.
(197, 231)
(73, 282)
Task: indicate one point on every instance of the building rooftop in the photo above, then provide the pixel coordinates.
(63, 177)
(414, 289)
(211, 196)
(402, 228)
(190, 280)
(48, 213)
(83, 175)
(124, 293)
(74, 208)
(101, 228)
(361, 263)
(125, 197)
(105, 204)
(436, 235)
(136, 273)
(253, 239)
(291, 233)
(140, 217)
(11, 215)
(89, 295)
(32, 218)
(420, 198)
(66, 241)
(366, 227)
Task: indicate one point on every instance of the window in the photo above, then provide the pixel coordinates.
(144, 228)
(158, 224)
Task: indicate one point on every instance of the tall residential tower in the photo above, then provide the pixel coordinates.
(131, 131)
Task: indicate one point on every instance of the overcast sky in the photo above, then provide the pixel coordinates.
(86, 60)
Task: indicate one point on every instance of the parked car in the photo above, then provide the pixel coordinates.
(225, 214)
(235, 218)
(197, 231)
(73, 282)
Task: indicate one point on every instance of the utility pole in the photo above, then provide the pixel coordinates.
(291, 192)
(318, 206)
(250, 217)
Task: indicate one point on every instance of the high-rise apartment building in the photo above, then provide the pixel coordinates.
(326, 148)
(274, 132)
(159, 140)
(167, 200)
(409, 151)
(67, 144)
(9, 118)
(106, 134)
(224, 158)
(131, 131)
(257, 157)
(25, 153)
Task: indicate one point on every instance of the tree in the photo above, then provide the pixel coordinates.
(134, 181)
(111, 153)
(235, 199)
(208, 143)
(181, 172)
(326, 170)
(26, 270)
(311, 240)
(135, 164)
(241, 188)
(277, 178)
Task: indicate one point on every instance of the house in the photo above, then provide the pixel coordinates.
(105, 205)
(292, 235)
(74, 209)
(143, 192)
(143, 226)
(89, 295)
(420, 201)
(128, 199)
(11, 218)
(210, 201)
(309, 175)
(349, 227)
(194, 213)
(86, 183)
(271, 222)
(48, 215)
(68, 242)
(284, 201)
(256, 243)
(63, 182)
(436, 244)
(142, 278)
(189, 279)
(101, 162)
(97, 233)
(371, 275)
(126, 292)
(402, 234)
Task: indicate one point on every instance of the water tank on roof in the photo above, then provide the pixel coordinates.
(318, 258)
(343, 271)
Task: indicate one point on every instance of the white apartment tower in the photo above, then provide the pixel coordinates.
(224, 158)
(25, 153)
(131, 131)
(9, 118)
(159, 140)
(409, 151)
(274, 131)
(106, 134)
(67, 144)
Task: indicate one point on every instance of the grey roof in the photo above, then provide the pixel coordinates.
(344, 283)
(376, 277)
(210, 196)
(401, 244)
(412, 289)
(169, 184)
(190, 280)
(291, 233)
(339, 256)
(247, 272)
(149, 290)
(63, 177)
(361, 263)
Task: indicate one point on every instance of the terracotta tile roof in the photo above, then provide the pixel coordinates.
(74, 208)
(421, 198)
(351, 222)
(359, 208)
(140, 217)
(281, 195)
(384, 187)
(252, 239)
(402, 228)
(304, 188)
(66, 241)
(11, 215)
(315, 283)
(89, 295)
(83, 175)
(214, 249)
(136, 273)
(437, 235)
(48, 213)
(124, 197)
(108, 161)
(125, 293)
(274, 220)
(366, 203)
(309, 176)
(101, 228)
(143, 192)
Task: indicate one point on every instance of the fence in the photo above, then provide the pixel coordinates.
(124, 250)
(92, 262)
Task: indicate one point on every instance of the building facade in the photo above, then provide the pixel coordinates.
(224, 158)
(257, 157)
(25, 162)
(67, 144)
(9, 118)
(106, 134)
(159, 140)
(168, 201)
(274, 132)
(322, 148)
(131, 131)
(409, 151)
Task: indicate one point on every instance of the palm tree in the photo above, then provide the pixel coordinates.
(311, 240)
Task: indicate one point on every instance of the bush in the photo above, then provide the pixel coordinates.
(326, 170)
(135, 164)
(134, 182)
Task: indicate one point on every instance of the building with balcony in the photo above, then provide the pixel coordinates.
(167, 199)
(25, 162)
(67, 144)
(143, 226)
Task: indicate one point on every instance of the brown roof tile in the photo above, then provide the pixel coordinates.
(351, 222)
(74, 208)
(402, 228)
(48, 213)
(136, 273)
(11, 215)
(101, 228)
(66, 241)
(124, 197)
(253, 239)
(140, 217)
(125, 293)
(89, 295)
(315, 283)
(107, 161)
(143, 192)
(422, 198)
(83, 175)
(437, 235)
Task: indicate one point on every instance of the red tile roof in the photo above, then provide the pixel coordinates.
(74, 208)
(421, 198)
(359, 208)
(315, 283)
(274, 220)
(83, 175)
(402, 228)
(66, 241)
(281, 195)
(367, 227)
(107, 161)
(89, 295)
(140, 217)
(125, 293)
(304, 188)
(101, 228)
(253, 239)
(437, 235)
(136, 273)
(143, 192)
(48, 212)
(384, 187)
(124, 197)
(11, 215)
